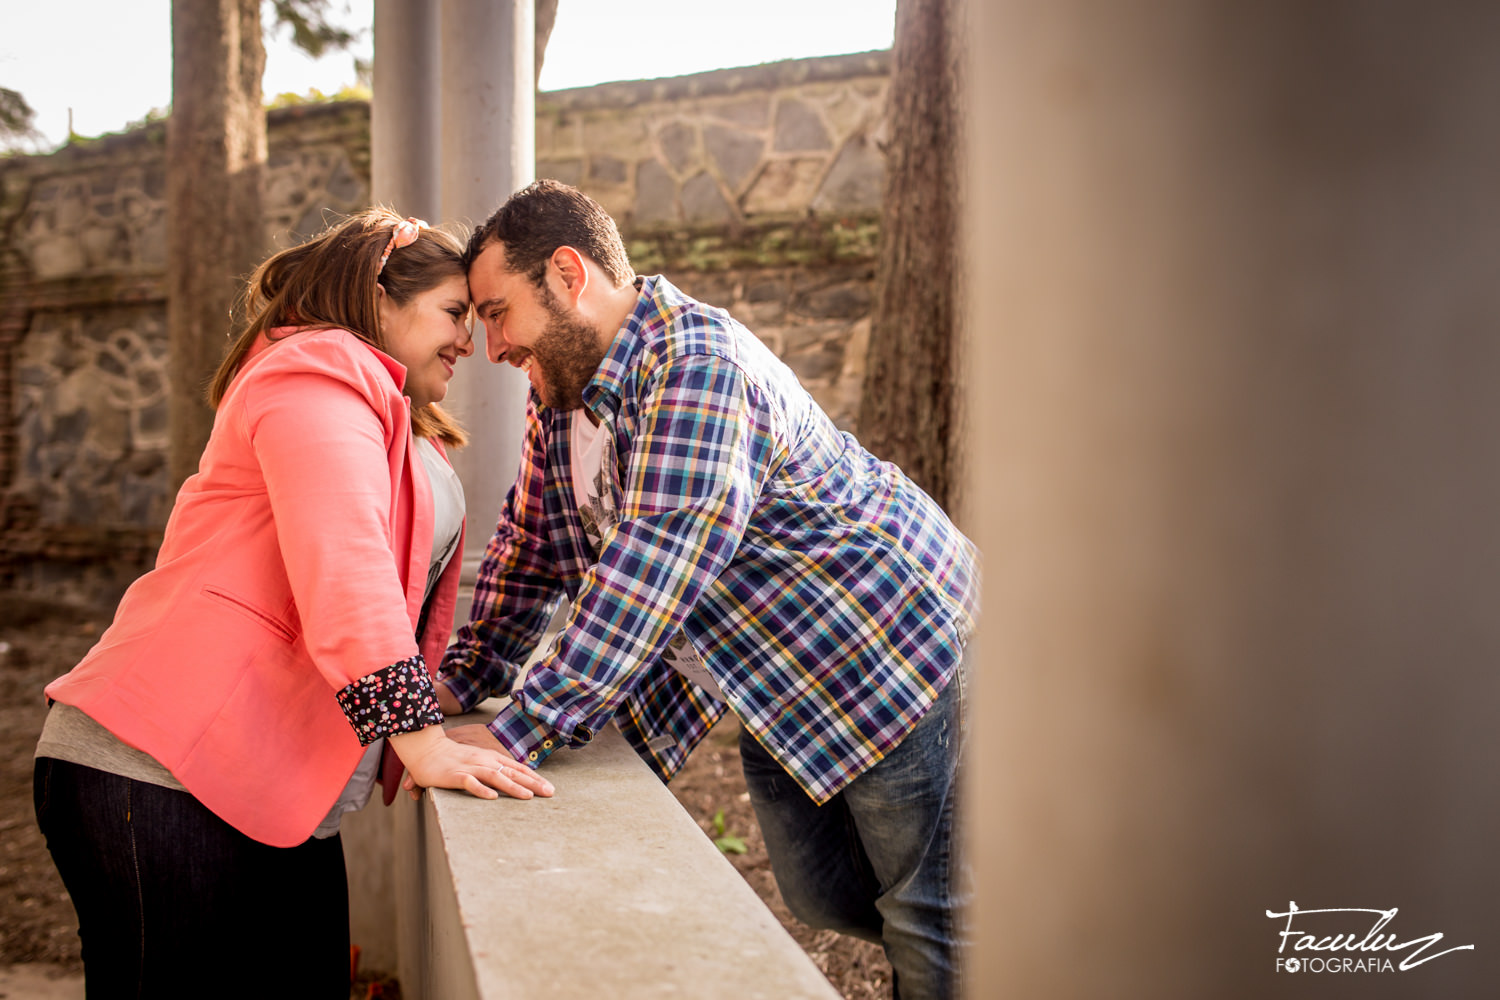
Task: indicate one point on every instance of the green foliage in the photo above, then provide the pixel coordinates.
(287, 99)
(312, 31)
(729, 843)
(16, 116)
(799, 242)
(17, 122)
(150, 118)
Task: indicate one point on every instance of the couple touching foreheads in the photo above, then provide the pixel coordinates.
(720, 543)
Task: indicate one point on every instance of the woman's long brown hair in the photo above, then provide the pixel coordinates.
(330, 282)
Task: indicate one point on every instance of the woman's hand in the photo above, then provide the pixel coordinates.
(434, 761)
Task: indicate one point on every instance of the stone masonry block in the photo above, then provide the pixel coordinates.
(751, 111)
(702, 200)
(856, 181)
(679, 144)
(844, 300)
(655, 194)
(818, 363)
(627, 137)
(785, 185)
(847, 112)
(57, 256)
(105, 246)
(736, 154)
(344, 186)
(607, 170)
(799, 129)
(569, 171)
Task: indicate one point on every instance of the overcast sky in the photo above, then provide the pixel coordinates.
(110, 61)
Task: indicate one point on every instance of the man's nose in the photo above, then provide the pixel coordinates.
(494, 344)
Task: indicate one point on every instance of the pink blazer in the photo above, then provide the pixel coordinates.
(293, 564)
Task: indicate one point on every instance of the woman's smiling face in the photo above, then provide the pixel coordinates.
(428, 335)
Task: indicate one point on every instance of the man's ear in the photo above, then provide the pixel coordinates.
(572, 270)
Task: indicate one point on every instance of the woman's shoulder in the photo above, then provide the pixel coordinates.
(330, 351)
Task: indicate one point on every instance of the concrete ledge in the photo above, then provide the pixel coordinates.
(607, 889)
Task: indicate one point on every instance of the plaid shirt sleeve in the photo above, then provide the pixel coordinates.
(516, 592)
(694, 469)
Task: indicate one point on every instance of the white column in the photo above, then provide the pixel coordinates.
(405, 133)
(1234, 406)
(406, 115)
(489, 150)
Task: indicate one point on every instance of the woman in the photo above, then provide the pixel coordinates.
(194, 765)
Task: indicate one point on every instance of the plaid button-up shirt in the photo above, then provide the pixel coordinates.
(828, 596)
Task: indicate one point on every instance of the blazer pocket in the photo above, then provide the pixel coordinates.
(250, 611)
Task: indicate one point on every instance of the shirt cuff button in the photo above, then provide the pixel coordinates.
(532, 756)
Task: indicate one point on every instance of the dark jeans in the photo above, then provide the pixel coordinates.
(174, 902)
(880, 859)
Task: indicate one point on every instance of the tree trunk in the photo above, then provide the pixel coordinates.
(216, 155)
(911, 408)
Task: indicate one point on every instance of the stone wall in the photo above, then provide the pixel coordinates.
(83, 343)
(756, 189)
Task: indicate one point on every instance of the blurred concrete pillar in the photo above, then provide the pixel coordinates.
(489, 152)
(406, 114)
(1236, 395)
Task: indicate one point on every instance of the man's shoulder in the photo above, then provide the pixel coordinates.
(681, 326)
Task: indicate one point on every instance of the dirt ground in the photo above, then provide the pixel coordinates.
(37, 925)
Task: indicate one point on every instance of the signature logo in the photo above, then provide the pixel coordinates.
(1348, 950)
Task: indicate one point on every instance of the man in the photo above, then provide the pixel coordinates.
(722, 544)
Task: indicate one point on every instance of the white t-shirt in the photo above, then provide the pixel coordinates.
(596, 508)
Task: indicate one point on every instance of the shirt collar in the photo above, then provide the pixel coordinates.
(605, 389)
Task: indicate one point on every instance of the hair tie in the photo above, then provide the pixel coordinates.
(403, 234)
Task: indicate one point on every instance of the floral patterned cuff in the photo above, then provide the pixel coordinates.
(394, 699)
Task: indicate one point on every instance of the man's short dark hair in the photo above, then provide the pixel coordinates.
(545, 215)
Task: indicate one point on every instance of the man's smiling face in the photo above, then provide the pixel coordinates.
(527, 326)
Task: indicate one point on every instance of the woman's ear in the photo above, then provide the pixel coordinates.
(384, 307)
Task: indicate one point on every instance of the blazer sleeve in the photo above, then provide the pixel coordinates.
(323, 446)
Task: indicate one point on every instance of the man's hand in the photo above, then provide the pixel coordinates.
(446, 701)
(434, 761)
(475, 736)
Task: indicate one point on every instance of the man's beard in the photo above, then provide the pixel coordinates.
(567, 354)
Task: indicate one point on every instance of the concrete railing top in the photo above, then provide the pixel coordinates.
(607, 889)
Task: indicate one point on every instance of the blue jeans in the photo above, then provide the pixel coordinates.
(880, 859)
(174, 902)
